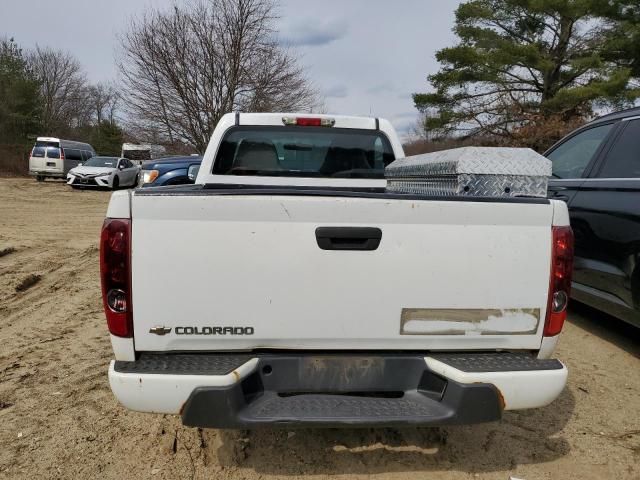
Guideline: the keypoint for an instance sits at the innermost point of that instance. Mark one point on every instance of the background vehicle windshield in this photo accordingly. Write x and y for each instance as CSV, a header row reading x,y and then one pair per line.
x,y
303,152
101,162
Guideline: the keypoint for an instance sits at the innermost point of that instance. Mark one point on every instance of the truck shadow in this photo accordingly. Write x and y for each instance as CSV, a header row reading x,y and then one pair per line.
x,y
523,437
611,329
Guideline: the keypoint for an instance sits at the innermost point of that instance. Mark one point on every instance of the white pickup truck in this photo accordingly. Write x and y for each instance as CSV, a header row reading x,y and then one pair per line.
x,y
288,287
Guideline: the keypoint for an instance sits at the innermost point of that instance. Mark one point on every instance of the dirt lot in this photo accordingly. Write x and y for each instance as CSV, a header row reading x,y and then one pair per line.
x,y
58,418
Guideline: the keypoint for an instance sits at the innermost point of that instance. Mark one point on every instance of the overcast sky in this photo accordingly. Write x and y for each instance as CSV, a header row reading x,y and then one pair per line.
x,y
366,56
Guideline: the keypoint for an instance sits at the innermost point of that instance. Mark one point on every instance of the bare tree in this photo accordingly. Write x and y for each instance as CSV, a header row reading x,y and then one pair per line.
x,y
104,98
63,89
185,68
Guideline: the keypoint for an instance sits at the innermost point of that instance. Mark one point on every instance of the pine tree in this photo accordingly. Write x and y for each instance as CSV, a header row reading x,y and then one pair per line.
x,y
534,66
20,105
106,138
623,41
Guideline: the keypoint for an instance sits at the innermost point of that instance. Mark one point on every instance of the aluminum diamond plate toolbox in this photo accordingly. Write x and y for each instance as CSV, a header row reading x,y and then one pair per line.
x,y
475,171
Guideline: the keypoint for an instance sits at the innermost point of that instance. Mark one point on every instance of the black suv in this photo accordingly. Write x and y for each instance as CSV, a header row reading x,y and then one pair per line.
x,y
596,170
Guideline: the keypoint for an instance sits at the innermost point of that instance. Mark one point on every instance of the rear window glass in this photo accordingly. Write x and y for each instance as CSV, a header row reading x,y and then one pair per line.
x,y
41,143
303,152
38,152
53,152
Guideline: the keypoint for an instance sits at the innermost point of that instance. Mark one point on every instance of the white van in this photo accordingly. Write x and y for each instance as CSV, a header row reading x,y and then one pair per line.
x,y
54,157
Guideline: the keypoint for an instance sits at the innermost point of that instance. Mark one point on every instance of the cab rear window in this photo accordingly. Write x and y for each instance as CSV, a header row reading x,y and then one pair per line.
x,y
298,151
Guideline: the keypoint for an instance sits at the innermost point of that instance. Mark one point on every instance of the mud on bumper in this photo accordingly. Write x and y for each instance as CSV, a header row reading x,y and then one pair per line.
x,y
249,391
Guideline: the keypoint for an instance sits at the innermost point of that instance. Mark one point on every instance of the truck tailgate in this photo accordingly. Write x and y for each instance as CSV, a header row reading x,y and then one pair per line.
x,y
240,272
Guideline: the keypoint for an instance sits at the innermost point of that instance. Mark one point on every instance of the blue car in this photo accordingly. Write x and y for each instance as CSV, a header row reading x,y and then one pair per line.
x,y
170,171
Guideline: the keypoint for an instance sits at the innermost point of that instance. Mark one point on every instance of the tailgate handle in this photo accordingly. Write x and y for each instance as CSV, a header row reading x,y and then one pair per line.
x,y
348,238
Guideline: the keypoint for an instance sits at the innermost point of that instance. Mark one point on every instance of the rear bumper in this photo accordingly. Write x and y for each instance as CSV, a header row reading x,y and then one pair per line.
x,y
248,391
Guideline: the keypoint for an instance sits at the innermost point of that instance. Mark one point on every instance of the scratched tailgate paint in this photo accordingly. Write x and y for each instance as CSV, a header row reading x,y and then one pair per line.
x,y
469,321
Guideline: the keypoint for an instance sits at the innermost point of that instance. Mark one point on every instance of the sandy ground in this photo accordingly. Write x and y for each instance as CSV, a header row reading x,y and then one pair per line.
x,y
58,418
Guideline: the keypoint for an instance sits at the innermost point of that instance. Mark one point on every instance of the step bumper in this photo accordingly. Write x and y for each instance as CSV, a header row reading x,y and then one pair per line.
x,y
249,391
521,386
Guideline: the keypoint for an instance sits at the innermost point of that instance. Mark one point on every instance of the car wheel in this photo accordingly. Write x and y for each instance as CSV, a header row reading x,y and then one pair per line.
x,y
116,183
40,178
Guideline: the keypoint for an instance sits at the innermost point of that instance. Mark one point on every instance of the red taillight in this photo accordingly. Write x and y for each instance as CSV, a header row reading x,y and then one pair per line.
x,y
61,153
560,283
115,275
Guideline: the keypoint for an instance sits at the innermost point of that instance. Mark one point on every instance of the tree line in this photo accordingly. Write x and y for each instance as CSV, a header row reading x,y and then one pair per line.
x,y
525,72
179,71
45,92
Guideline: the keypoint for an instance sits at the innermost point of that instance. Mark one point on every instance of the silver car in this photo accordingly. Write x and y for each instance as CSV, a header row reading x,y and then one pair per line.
x,y
108,172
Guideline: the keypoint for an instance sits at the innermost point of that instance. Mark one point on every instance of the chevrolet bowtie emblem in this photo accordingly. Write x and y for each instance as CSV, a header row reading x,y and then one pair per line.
x,y
160,330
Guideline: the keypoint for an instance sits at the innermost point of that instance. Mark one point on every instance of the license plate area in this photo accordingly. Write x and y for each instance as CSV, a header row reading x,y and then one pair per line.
x,y
341,372
337,374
